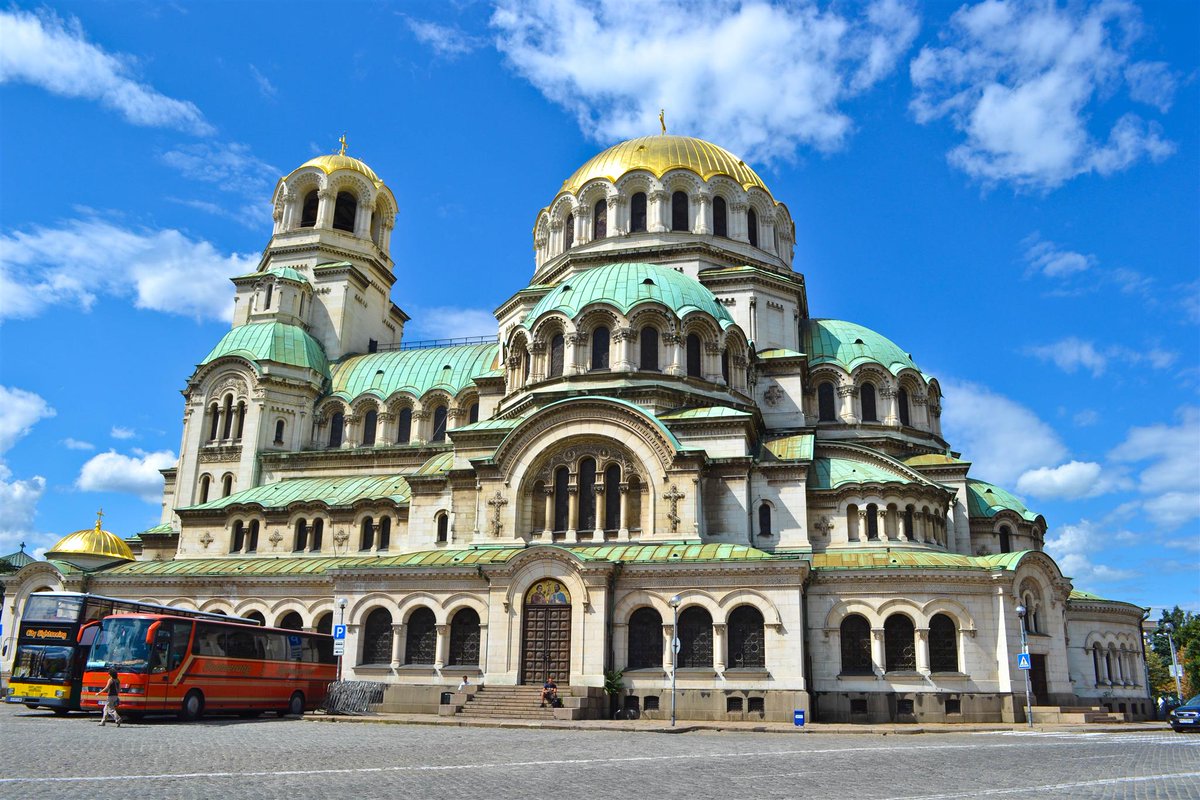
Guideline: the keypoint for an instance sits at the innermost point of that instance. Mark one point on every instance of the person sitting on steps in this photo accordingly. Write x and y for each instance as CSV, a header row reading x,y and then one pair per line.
x,y
549,692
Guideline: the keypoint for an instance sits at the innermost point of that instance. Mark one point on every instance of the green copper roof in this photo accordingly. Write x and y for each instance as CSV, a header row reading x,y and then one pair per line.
x,y
272,341
414,371
489,425
708,412
798,447
627,285
18,559
832,341
655,421
933,460
287,273
318,565
984,501
157,530
778,352
1078,595
880,558
437,465
330,491
830,473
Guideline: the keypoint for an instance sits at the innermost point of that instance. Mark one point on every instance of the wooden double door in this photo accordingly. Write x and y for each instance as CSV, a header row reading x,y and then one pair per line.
x,y
546,644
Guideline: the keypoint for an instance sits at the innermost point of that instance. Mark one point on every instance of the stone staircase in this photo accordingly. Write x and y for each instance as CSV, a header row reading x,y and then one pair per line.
x,y
516,702
1072,715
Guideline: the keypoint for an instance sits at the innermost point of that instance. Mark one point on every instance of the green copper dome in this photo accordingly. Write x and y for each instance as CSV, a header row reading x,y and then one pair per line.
x,y
414,371
832,341
985,501
832,473
272,341
627,285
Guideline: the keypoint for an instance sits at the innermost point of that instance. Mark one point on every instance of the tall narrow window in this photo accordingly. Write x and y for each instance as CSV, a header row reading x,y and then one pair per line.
x,y
645,639
694,368
943,644
241,420
1005,539
421,641
909,531
695,639
746,639
899,644
270,293
308,215
344,211
600,348
279,432
300,542
252,537
872,521
612,497
637,213
215,425
377,637
587,494
473,413
867,397
227,429
557,349
569,232
825,407
226,486
856,645
562,499
367,536
648,342
404,426
464,639
752,226
725,366
385,533
239,537
600,219
335,429
443,527
764,520
370,422
439,425
205,482
720,217
902,402
314,543
679,211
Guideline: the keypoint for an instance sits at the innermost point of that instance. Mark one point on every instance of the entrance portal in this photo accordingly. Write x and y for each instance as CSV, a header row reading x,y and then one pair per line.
x,y
1037,679
546,634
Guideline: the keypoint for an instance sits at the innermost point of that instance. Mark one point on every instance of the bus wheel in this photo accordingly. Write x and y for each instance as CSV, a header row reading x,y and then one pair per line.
x,y
193,706
61,712
296,705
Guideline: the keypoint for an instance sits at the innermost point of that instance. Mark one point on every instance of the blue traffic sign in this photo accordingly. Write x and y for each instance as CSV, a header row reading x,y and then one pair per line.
x,y
1022,660
798,717
339,631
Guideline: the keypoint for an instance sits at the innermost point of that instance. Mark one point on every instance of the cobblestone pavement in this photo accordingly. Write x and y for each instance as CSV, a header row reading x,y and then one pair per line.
x,y
43,756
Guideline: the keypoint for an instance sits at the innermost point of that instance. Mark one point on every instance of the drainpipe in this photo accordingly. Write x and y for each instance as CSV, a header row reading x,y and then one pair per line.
x,y
749,507
806,662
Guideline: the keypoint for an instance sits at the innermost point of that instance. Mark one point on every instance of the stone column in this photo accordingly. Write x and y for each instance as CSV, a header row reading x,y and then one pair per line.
x,y
572,512
556,238
675,342
737,226
702,223
613,223
711,366
623,531
862,525
397,644
601,509
548,519
846,395
767,240
625,337
891,406
537,363
719,647
386,427
443,646
923,651
877,661
418,426
326,198
571,343
657,212
668,637
583,230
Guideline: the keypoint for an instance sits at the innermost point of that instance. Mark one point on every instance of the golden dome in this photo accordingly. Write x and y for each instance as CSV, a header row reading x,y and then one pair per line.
x,y
91,542
336,161
661,154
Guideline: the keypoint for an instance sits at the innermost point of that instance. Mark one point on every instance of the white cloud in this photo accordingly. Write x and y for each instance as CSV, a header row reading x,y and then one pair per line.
x,y
254,216
447,322
445,40
1021,79
760,79
265,87
1072,353
46,51
1086,418
19,412
1001,438
1075,547
77,444
1070,481
1053,261
136,474
72,264
229,166
118,432
1170,479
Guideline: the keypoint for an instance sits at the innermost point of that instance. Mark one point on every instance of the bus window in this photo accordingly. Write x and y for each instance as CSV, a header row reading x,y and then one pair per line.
x,y
52,608
181,634
122,646
34,661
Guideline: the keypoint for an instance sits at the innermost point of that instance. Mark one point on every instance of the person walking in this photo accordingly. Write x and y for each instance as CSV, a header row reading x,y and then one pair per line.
x,y
112,689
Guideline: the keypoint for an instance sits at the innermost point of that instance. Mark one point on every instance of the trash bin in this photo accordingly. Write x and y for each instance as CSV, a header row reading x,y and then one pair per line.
x,y
446,696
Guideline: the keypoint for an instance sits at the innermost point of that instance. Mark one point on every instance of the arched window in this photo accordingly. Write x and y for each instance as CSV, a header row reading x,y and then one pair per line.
x,y
385,532
909,531
856,645
252,537
404,426
267,299
325,623
902,402
344,211
556,356
943,644
746,640
205,482
637,213
336,423
226,486
825,407
473,412
569,232
314,543
725,366
645,640
257,616
899,644
279,432
612,497
600,348
420,646
867,399
239,537
872,521
443,527
562,499
308,214
587,494
215,416
241,419
366,539
720,217
764,519
694,368
370,421
439,425
1005,539
679,211
300,540
377,637
291,621
752,226
695,639
464,638
227,429
600,219
648,342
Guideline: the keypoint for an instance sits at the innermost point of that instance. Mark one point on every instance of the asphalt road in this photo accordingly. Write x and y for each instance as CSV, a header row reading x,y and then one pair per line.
x,y
43,756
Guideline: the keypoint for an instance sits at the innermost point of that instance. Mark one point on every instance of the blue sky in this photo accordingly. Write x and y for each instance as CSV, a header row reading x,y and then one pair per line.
x,y
1008,190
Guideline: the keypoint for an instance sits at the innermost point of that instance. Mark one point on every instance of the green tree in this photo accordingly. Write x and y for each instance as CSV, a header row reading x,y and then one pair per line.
x,y
1161,682
1186,635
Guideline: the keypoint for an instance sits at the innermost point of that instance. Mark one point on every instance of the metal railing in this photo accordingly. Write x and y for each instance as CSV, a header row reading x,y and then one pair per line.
x,y
427,343
353,697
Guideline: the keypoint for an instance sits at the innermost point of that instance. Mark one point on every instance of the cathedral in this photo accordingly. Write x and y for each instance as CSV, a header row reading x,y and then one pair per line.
x,y
663,470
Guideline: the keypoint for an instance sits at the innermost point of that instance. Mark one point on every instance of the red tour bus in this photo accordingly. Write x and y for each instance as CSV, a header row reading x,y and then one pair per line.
x,y
169,664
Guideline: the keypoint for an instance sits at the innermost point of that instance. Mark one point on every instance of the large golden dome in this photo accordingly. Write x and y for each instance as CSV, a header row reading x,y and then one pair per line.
x,y
336,161
92,543
661,154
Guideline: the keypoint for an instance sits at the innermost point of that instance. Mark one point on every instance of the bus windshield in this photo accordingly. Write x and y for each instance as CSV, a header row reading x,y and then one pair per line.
x,y
40,661
52,608
121,643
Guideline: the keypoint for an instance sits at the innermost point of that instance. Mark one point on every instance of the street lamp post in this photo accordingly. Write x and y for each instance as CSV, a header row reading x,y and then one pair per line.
x,y
1146,667
341,604
674,603
1021,611
1168,627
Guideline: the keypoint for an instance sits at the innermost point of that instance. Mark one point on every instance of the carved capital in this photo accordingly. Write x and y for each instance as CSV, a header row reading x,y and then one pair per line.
x,y
847,391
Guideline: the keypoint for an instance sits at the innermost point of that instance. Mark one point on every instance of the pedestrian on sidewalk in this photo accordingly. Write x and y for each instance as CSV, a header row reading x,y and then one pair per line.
x,y
112,689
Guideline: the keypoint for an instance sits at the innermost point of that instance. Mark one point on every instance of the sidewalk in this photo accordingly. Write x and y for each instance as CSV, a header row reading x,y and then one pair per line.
x,y
691,726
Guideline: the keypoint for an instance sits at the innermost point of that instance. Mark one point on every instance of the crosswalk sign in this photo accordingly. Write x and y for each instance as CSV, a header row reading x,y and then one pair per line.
x,y
1022,660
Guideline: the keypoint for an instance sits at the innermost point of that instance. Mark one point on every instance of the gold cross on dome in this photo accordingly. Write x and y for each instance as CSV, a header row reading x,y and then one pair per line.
x,y
342,141
662,113
99,517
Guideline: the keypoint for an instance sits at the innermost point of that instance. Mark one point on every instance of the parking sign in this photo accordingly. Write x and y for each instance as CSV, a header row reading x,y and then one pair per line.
x,y
339,631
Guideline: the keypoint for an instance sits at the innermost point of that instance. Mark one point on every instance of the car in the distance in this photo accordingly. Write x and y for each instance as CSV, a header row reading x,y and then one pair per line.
x,y
1187,716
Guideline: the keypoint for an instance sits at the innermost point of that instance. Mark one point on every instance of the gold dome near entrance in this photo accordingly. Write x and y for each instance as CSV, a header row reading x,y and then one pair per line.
x,y
91,547
661,154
